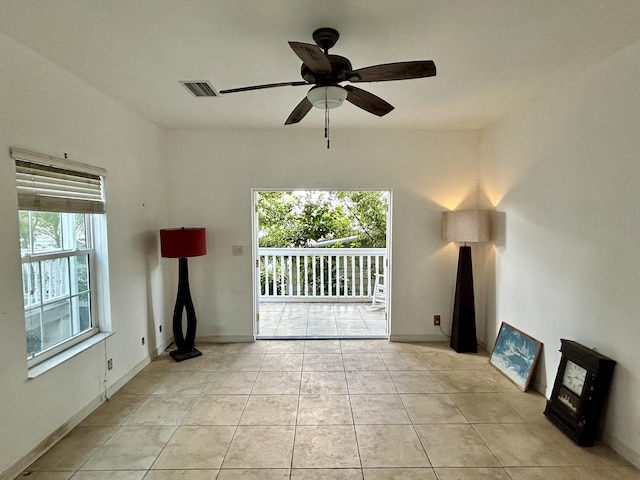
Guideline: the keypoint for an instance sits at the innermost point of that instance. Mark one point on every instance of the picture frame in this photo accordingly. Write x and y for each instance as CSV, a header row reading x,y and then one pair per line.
x,y
515,354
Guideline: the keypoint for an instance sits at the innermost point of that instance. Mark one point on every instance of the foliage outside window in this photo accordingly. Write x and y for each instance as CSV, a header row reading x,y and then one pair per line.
x,y
320,219
304,219
56,253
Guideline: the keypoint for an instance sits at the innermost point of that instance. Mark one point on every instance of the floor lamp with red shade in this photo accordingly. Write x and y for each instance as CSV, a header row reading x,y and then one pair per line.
x,y
182,243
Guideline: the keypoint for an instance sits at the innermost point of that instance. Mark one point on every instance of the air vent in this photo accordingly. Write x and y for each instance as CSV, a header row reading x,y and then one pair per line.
x,y
201,88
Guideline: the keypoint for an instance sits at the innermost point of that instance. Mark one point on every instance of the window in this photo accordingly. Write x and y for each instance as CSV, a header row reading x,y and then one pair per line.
x,y
61,219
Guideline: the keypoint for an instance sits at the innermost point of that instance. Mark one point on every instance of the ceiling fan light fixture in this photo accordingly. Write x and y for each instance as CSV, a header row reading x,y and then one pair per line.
x,y
328,97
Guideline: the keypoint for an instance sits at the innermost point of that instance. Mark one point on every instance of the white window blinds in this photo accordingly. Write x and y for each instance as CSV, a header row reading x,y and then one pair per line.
x,y
57,185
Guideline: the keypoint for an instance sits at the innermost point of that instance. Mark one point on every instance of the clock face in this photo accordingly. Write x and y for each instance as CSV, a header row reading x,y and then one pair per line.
x,y
574,377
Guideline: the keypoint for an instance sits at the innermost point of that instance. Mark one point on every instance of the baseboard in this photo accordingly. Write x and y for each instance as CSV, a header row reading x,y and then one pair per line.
x,y
225,339
618,446
418,338
122,381
539,386
629,454
18,467
162,348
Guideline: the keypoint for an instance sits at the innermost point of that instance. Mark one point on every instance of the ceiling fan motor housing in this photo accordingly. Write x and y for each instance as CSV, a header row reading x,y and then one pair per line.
x,y
340,67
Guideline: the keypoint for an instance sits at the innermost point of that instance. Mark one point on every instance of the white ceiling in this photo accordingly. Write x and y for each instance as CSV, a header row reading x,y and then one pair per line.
x,y
491,55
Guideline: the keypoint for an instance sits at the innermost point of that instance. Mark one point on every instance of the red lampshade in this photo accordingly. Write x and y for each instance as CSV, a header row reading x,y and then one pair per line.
x,y
183,242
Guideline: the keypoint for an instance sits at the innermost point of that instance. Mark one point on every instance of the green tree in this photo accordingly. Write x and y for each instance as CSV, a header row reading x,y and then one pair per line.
x,y
276,221
45,229
368,211
294,219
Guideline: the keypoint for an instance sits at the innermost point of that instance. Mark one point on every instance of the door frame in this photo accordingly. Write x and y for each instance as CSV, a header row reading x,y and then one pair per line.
x,y
255,257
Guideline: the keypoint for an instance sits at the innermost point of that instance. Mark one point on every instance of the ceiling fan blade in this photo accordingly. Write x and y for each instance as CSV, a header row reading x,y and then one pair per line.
x,y
299,112
394,71
312,56
367,101
266,85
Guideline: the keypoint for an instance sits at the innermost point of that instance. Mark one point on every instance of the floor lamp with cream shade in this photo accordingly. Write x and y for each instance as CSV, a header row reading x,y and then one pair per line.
x,y
465,226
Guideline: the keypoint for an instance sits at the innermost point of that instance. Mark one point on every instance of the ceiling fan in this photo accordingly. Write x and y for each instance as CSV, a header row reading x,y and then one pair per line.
x,y
325,72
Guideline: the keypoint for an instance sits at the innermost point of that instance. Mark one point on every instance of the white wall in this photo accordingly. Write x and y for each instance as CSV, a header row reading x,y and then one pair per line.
x,y
45,109
212,174
566,171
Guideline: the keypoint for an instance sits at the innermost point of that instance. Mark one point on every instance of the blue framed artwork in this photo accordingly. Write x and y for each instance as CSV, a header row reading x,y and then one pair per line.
x,y
515,355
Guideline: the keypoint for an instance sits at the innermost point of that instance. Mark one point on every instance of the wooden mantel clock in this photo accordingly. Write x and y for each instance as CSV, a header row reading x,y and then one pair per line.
x,y
579,392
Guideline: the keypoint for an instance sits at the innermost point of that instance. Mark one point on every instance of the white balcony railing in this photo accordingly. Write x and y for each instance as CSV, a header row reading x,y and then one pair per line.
x,y
319,274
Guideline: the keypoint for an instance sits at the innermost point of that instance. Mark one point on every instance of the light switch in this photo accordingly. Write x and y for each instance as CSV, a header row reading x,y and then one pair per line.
x,y
237,251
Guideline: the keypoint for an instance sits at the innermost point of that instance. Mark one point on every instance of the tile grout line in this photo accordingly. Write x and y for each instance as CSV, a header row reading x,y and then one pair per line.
x,y
237,426
295,428
353,419
388,359
413,426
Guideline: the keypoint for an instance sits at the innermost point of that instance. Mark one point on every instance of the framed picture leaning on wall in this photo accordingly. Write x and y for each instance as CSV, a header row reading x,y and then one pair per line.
x,y
515,354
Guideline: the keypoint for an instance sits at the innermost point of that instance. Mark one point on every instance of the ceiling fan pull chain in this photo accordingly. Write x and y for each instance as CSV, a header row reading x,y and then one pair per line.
x,y
326,126
326,119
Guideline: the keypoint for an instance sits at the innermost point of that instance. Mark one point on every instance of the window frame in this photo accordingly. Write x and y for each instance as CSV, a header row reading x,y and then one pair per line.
x,y
48,352
32,199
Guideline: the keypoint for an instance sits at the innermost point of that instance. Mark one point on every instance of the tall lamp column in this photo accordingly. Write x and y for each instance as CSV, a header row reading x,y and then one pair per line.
x,y
465,226
182,243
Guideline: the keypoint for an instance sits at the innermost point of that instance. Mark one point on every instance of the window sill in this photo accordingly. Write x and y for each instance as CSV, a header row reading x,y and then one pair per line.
x,y
67,354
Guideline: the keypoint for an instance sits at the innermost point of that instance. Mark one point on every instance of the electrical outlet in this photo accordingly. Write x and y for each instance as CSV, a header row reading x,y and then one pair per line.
x,y
142,340
436,320
110,364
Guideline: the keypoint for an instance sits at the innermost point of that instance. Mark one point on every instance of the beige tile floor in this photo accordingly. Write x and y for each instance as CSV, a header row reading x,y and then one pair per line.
x,y
324,320
323,409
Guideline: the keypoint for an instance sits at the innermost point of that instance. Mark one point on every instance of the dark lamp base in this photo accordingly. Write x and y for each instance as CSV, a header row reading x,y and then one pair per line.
x,y
185,343
179,357
463,328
